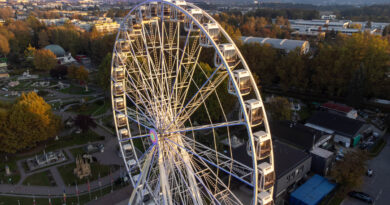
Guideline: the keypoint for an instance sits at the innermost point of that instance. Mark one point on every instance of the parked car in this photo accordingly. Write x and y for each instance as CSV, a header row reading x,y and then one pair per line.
x,y
361,196
370,172
92,148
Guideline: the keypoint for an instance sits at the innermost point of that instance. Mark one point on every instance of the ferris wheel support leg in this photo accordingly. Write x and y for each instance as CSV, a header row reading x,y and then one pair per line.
x,y
164,184
191,178
141,181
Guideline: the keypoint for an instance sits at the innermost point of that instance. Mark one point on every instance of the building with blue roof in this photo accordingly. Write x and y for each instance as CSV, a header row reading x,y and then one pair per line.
x,y
312,191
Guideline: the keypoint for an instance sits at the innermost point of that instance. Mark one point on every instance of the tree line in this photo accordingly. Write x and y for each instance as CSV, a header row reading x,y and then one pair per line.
x,y
379,13
253,25
17,35
354,67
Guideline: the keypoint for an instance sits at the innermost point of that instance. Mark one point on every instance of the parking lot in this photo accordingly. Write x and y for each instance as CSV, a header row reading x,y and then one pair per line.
x,y
377,186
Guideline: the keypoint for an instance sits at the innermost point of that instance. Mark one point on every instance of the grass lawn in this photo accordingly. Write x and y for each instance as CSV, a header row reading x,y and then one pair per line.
x,y
377,147
108,122
15,176
74,139
85,109
304,113
39,179
102,109
77,151
77,90
67,175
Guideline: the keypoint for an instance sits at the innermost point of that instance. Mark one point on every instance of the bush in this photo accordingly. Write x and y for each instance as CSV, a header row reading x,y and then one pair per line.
x,y
43,93
377,147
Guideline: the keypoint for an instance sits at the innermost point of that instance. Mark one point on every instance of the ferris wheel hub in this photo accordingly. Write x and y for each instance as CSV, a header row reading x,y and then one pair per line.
x,y
153,136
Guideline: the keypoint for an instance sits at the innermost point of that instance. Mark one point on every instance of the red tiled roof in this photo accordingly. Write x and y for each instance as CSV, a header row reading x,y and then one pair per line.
x,y
337,107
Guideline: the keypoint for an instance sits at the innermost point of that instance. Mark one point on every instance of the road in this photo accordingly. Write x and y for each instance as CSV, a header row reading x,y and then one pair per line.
x,y
377,186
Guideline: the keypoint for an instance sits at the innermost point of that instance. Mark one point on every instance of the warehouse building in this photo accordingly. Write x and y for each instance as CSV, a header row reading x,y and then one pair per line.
x,y
344,130
286,45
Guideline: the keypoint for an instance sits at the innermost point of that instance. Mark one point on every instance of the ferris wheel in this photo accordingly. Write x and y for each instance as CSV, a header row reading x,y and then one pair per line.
x,y
190,120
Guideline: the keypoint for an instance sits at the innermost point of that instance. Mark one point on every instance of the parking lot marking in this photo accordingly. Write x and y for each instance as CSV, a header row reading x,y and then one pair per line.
x,y
377,197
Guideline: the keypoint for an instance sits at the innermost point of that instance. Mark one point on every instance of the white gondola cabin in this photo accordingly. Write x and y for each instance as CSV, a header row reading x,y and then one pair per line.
x,y
213,30
119,73
265,198
262,144
266,176
124,133
228,52
189,24
135,25
118,88
121,120
127,150
119,103
255,112
176,14
167,11
243,80
152,10
123,45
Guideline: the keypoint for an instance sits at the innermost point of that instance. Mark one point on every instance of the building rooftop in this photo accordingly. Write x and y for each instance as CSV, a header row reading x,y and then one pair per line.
x,y
56,49
337,107
312,191
339,124
322,152
286,157
295,134
285,44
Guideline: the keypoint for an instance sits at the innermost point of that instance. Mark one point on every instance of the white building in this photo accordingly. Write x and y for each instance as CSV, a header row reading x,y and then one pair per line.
x,y
284,44
62,56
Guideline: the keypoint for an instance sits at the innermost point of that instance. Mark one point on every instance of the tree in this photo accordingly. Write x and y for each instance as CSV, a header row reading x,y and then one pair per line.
x,y
279,108
84,122
43,39
386,31
59,72
6,13
350,171
292,70
4,45
29,121
261,60
44,60
79,73
104,72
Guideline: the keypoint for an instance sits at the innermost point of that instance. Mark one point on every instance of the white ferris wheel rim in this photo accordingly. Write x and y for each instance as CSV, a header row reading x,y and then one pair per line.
x,y
225,65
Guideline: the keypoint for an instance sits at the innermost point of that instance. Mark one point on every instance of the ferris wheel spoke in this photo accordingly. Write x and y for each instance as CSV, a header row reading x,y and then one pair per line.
x,y
240,171
141,179
134,137
187,78
210,126
183,179
140,95
200,96
141,159
222,191
147,85
210,194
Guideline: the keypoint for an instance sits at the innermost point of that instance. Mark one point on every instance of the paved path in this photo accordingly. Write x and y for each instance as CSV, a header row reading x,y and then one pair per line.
x,y
377,186
115,197
43,191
